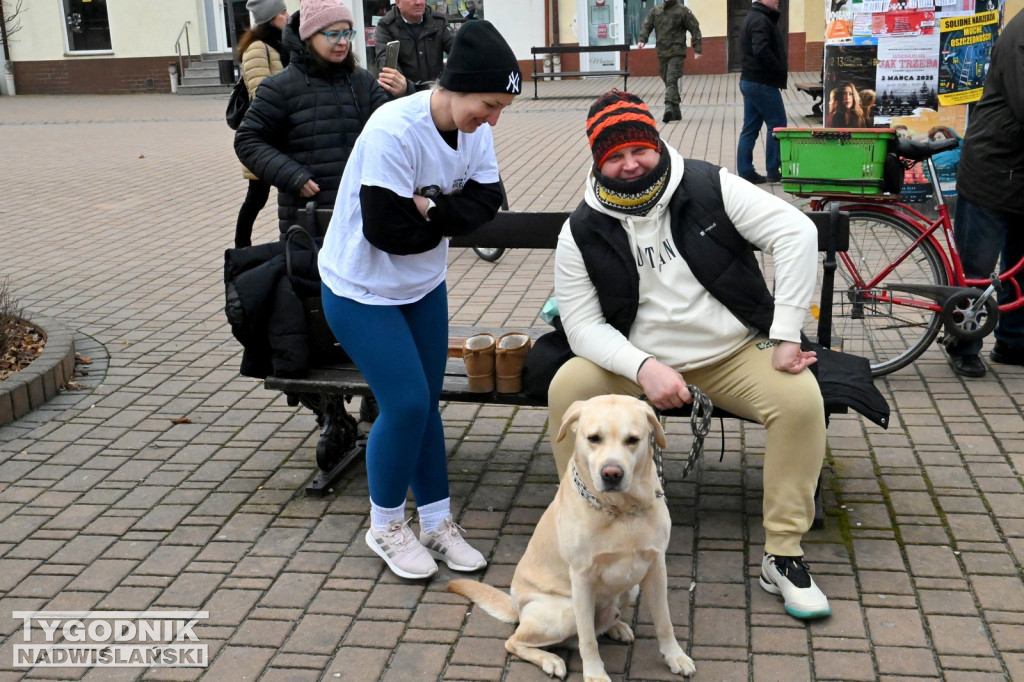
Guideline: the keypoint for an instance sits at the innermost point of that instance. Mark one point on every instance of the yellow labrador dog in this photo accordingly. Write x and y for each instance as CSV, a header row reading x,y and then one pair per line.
x,y
604,534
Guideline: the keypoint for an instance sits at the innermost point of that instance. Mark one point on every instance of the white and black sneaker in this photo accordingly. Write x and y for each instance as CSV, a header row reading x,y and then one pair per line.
x,y
790,577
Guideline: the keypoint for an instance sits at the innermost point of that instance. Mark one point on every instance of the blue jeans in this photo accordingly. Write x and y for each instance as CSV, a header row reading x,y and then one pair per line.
x,y
401,350
982,236
762,104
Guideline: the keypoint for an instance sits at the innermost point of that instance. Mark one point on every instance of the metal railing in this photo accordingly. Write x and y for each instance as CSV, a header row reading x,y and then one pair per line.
x,y
188,51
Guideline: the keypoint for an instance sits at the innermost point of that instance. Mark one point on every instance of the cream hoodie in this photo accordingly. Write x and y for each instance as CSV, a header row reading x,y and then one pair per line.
x,y
678,322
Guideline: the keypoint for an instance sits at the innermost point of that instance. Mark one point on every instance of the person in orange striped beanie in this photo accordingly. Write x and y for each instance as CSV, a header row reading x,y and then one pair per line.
x,y
658,288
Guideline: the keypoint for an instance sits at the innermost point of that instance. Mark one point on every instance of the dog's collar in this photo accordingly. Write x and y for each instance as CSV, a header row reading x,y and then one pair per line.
x,y
591,498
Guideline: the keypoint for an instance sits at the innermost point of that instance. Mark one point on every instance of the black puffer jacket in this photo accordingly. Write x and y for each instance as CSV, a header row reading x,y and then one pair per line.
x,y
763,53
264,307
991,170
303,124
420,58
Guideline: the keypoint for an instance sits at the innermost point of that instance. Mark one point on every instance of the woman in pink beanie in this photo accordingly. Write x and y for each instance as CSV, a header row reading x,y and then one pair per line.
x,y
304,120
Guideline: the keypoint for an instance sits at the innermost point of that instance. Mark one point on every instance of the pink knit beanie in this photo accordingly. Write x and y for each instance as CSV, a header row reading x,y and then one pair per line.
x,y
315,15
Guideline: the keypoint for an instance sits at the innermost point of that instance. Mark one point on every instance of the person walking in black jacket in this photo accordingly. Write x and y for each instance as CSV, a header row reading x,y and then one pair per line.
x,y
764,73
304,120
424,36
990,196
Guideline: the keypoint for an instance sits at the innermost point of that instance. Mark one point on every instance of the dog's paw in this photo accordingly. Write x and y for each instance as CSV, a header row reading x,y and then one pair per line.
x,y
596,678
681,664
621,632
553,665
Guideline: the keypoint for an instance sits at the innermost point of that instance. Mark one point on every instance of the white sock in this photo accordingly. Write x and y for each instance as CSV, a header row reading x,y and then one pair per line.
x,y
380,517
434,514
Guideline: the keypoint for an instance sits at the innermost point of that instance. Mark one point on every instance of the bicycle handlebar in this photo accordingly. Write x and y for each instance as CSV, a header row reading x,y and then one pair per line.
x,y
919,151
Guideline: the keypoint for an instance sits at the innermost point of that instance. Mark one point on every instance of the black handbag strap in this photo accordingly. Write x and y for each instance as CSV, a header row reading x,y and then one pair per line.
x,y
295,231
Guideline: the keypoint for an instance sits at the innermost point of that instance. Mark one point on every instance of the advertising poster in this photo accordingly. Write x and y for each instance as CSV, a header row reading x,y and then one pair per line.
x,y
903,23
953,7
966,49
948,122
907,76
849,85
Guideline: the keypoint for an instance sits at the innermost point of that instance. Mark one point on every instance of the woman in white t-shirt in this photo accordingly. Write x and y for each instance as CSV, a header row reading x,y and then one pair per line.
x,y
423,169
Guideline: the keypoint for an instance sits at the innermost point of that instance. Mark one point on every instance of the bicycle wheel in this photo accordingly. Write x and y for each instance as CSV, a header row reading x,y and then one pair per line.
x,y
890,337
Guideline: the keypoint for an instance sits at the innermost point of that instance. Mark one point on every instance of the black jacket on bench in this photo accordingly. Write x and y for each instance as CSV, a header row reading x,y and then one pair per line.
x,y
264,307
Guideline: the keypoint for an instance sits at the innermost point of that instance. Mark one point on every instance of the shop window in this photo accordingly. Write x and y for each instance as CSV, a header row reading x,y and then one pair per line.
x,y
88,29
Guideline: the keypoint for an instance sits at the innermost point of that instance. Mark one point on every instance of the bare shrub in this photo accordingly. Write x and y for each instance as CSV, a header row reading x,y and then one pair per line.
x,y
10,314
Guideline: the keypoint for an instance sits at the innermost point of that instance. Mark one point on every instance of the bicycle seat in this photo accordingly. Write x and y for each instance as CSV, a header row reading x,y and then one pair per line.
x,y
919,151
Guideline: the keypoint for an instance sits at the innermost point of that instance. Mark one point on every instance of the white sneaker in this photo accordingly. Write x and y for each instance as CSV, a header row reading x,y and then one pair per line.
x,y
398,547
790,577
447,544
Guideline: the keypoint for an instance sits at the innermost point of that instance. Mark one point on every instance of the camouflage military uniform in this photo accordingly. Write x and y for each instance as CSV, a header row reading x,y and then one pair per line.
x,y
670,22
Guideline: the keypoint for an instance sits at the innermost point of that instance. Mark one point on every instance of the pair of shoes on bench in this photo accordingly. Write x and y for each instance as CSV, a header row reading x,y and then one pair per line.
x,y
500,361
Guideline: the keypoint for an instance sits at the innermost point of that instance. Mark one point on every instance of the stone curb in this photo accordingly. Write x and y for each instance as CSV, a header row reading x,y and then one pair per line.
x,y
28,389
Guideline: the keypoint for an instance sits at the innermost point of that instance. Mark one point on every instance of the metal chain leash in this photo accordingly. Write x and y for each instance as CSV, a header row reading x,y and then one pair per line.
x,y
700,425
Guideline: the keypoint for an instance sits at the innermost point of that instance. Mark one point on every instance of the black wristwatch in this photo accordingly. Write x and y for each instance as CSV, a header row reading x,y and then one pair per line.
x,y
430,192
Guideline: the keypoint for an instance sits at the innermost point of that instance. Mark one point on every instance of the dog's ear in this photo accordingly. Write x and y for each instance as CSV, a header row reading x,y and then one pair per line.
x,y
659,433
571,416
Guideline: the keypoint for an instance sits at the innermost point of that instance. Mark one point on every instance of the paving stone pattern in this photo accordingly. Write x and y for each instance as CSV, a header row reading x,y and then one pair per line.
x,y
116,212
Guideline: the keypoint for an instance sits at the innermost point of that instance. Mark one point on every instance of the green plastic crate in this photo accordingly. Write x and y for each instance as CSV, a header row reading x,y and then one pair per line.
x,y
833,160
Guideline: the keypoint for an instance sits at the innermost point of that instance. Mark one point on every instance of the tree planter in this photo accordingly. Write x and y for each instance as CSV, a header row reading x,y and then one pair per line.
x,y
29,388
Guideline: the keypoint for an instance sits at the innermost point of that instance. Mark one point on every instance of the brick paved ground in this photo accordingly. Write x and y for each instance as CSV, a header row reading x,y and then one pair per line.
x,y
114,215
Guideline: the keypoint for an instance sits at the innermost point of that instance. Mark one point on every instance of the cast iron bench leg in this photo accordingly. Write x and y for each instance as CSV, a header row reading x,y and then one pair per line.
x,y
340,442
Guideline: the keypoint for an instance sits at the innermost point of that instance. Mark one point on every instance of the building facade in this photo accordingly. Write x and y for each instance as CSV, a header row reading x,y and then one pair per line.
x,y
126,46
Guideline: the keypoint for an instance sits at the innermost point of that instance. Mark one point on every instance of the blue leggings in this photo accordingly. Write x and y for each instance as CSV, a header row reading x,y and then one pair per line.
x,y
401,350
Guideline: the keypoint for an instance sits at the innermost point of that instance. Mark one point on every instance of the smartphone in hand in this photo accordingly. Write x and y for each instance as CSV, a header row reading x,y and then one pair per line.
x,y
391,56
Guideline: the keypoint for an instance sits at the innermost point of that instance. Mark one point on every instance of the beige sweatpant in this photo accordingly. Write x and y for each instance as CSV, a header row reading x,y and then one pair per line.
x,y
746,384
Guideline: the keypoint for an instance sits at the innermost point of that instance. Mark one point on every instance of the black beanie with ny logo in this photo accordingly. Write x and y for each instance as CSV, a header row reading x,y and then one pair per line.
x,y
481,61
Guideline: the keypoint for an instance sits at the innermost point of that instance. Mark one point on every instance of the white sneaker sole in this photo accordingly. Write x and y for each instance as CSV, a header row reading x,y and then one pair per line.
x,y
371,543
802,613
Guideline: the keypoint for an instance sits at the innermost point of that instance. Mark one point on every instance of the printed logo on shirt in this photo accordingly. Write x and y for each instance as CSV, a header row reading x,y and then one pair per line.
x,y
647,257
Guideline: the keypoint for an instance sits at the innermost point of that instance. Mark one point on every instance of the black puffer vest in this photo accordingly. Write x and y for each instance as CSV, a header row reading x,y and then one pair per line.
x,y
719,257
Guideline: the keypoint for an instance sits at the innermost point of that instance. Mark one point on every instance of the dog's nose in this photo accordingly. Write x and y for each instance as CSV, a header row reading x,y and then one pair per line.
x,y
612,476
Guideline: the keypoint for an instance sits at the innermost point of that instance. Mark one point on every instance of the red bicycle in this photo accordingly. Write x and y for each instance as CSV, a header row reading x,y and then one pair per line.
x,y
901,282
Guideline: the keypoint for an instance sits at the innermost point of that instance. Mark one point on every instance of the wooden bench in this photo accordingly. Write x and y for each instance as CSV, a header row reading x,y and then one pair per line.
x,y
815,90
538,73
326,390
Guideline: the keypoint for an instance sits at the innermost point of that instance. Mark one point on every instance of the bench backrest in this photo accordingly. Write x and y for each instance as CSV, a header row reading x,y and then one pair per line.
x,y
539,230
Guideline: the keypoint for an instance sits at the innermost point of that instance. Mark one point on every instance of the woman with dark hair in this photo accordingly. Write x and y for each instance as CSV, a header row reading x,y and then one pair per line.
x,y
260,55
844,108
304,121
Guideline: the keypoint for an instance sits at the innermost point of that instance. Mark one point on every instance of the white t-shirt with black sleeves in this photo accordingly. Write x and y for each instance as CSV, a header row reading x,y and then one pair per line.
x,y
400,150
